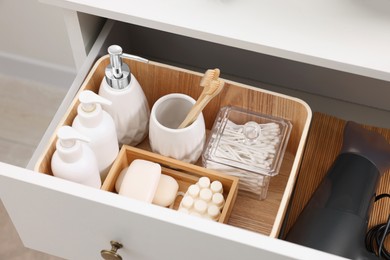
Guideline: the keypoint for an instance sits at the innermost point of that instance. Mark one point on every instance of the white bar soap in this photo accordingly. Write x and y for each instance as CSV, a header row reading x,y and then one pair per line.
x,y
141,180
166,191
119,180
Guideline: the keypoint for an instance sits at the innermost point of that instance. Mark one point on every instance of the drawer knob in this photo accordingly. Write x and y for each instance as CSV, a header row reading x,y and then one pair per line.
x,y
112,254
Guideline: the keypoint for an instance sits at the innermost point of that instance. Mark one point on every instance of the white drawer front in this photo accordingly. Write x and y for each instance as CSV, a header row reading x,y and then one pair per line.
x,y
76,222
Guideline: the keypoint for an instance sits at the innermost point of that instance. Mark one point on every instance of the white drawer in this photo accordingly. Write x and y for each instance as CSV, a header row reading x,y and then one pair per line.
x,y
76,222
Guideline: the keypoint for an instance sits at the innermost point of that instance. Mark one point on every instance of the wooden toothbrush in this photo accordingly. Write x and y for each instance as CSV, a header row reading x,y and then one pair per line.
x,y
212,87
210,75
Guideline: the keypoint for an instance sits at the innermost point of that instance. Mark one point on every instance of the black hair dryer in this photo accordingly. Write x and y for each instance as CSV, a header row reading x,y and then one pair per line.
x,y
336,217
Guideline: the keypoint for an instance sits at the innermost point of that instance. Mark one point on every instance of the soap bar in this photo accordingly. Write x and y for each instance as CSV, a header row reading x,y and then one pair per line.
x,y
119,180
166,191
141,180
203,199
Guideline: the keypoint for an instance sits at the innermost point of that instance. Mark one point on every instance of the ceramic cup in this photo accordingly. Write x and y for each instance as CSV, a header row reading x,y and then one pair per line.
x,y
184,144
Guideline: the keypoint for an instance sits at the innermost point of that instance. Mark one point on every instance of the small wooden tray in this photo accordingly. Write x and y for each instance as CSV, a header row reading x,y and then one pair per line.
x,y
184,173
265,217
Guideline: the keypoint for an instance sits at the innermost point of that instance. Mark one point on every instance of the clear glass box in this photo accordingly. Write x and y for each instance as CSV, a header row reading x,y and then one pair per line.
x,y
247,145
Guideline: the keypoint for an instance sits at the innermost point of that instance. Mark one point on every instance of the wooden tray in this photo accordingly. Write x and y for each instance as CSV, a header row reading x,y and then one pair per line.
x,y
323,146
184,173
157,79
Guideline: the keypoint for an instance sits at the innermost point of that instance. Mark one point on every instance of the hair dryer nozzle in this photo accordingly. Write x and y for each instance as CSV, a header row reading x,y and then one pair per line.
x,y
369,144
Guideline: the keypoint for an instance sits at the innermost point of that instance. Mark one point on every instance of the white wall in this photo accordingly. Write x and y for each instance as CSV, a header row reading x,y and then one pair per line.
x,y
34,40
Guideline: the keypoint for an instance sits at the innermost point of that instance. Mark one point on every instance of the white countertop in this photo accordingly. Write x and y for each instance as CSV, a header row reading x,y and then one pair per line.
x,y
347,35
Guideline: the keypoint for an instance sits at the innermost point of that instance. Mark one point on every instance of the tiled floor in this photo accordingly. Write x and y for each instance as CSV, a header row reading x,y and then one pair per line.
x,y
26,109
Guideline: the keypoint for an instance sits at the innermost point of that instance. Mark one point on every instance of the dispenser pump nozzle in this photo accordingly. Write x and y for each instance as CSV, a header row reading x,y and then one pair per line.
x,y
68,136
115,52
89,99
118,74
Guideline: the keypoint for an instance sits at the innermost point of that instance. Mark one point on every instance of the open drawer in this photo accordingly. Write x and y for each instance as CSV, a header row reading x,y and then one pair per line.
x,y
76,222
158,80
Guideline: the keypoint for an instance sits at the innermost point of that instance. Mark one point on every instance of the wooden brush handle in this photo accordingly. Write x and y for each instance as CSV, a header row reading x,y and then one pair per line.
x,y
195,111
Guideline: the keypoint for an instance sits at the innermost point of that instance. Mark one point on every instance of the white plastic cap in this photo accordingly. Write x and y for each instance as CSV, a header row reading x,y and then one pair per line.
x,y
213,212
89,99
206,194
216,187
200,206
193,190
218,200
68,136
187,202
204,182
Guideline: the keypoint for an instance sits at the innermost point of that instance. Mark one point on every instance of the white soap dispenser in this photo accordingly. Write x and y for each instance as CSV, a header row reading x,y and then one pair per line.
x,y
96,124
74,160
130,108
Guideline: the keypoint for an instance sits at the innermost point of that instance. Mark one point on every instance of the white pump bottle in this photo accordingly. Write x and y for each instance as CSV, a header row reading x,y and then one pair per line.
x,y
97,125
130,109
74,160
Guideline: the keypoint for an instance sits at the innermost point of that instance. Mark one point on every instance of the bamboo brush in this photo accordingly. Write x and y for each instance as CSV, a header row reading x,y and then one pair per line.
x,y
210,75
210,90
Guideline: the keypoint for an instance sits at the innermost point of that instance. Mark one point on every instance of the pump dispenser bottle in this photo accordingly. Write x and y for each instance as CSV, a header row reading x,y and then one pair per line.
x,y
74,160
97,125
130,108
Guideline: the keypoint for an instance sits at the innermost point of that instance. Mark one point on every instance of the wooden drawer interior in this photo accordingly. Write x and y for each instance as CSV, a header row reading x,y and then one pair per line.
x,y
158,79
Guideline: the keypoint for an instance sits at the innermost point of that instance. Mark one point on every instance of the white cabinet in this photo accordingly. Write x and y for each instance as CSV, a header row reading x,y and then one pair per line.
x,y
348,36
329,51
77,222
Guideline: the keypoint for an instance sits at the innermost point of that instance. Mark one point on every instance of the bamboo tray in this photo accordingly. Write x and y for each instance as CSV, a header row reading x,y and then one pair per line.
x,y
158,79
184,173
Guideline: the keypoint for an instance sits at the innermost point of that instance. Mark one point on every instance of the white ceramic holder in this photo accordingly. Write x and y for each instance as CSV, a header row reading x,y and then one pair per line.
x,y
184,144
